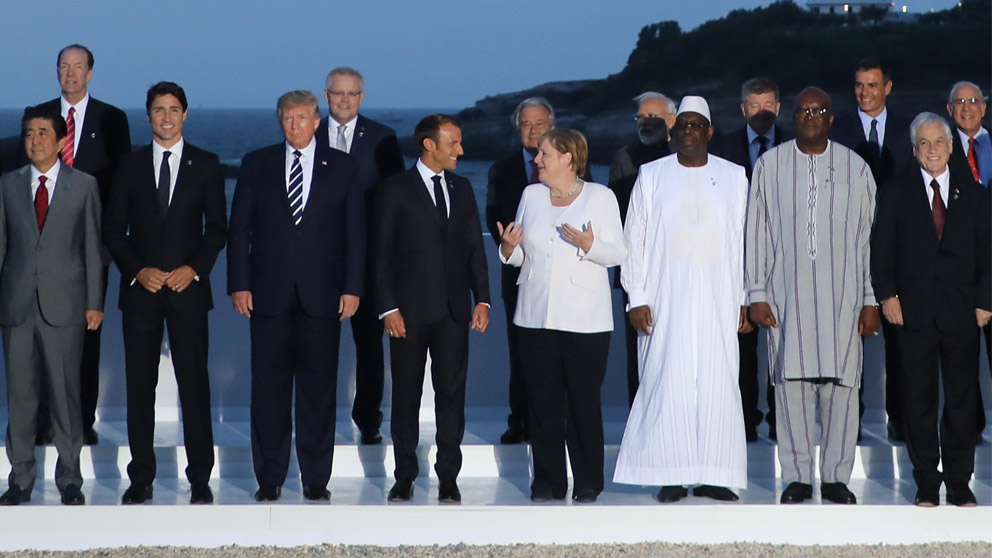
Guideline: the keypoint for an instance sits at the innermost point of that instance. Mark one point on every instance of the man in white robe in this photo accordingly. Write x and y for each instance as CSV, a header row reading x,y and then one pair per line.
x,y
684,273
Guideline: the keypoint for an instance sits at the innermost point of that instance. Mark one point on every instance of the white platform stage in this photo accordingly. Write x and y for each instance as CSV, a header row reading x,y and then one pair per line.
x,y
495,507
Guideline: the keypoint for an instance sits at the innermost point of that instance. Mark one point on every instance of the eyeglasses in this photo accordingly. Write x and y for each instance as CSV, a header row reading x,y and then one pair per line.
x,y
812,112
691,126
650,116
342,94
966,101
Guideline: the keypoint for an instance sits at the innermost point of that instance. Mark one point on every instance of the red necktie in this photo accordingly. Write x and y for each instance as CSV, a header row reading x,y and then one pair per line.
x,y
41,203
533,172
939,211
69,151
973,160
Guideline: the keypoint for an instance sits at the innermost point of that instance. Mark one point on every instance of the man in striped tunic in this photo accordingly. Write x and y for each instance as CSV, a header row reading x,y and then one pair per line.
x,y
812,204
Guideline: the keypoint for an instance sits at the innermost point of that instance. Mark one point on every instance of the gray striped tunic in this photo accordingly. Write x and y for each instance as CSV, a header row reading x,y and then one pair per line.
x,y
808,225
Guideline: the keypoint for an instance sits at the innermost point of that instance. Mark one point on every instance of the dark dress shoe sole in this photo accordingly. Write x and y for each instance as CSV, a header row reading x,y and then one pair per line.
x,y
400,493
201,495
137,495
14,497
268,493
668,494
962,498
317,494
718,493
72,496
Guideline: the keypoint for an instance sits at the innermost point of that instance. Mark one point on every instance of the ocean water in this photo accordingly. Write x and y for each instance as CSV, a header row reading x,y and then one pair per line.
x,y
231,133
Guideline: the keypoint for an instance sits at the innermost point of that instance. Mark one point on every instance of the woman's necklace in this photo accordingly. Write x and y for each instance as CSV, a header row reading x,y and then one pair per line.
x,y
570,192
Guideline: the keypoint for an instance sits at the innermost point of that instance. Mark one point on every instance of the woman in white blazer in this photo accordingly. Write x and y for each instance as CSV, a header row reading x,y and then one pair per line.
x,y
566,234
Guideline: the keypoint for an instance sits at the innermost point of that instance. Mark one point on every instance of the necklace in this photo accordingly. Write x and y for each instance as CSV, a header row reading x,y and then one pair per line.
x,y
569,194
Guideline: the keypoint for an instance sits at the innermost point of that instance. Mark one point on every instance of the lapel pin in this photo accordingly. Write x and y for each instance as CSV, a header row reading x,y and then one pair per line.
x,y
323,163
189,162
92,135
361,132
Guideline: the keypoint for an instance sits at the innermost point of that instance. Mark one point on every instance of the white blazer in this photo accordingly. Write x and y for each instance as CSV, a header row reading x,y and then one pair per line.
x,y
562,287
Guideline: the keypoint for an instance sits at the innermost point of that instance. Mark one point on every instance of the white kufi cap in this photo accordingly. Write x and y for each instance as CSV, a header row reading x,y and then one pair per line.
x,y
695,103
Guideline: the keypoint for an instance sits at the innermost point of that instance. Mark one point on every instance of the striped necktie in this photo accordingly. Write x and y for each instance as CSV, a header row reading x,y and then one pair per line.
x,y
296,188
69,151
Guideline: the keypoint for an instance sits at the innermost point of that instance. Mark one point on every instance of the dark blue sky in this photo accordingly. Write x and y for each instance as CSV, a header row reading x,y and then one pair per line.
x,y
245,53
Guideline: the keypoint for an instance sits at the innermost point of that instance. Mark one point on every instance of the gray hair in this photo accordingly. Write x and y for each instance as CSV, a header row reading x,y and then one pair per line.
x,y
669,104
343,71
925,119
959,85
757,86
532,102
296,98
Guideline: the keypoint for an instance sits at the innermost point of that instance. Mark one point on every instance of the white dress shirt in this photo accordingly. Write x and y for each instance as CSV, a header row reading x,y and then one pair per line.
x,y
427,174
349,132
78,116
943,179
175,157
51,177
306,161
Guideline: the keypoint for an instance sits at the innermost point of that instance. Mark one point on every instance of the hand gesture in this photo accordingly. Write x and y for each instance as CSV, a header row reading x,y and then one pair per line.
x,y
575,237
509,238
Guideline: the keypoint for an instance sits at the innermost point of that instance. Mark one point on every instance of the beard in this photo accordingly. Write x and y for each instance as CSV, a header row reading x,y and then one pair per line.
x,y
762,122
653,134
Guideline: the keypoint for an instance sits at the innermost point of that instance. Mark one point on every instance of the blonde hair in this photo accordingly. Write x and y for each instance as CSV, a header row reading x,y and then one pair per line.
x,y
569,141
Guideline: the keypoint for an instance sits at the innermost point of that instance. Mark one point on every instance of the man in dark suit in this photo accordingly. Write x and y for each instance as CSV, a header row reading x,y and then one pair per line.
x,y
507,179
760,106
296,268
655,118
97,139
931,268
50,293
881,138
377,151
429,263
165,223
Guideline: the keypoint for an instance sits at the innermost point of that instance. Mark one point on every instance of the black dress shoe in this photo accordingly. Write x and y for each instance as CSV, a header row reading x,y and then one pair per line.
x,y
541,495
514,434
316,493
200,493
584,495
44,437
370,436
715,492
402,491
448,493
797,492
268,493
895,432
72,496
137,494
837,493
772,433
14,496
672,494
961,495
927,497
751,434
90,437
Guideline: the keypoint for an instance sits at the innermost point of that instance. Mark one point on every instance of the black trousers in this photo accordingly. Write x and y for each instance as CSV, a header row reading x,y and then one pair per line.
x,y
893,374
747,379
89,378
564,372
447,343
366,330
929,357
188,339
518,397
293,351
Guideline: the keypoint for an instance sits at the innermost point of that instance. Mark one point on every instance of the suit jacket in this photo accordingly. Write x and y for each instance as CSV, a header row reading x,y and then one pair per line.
x,y
105,138
940,282
426,269
318,260
959,155
897,150
507,180
59,268
376,149
734,147
192,232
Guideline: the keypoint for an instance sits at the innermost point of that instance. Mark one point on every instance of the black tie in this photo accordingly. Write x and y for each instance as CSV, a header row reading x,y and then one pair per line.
x,y
442,208
164,180
762,147
873,137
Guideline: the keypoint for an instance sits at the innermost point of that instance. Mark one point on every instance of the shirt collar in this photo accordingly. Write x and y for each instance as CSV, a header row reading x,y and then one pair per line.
x,y
306,151
177,149
349,125
965,137
752,135
80,106
942,179
52,175
527,158
426,173
866,118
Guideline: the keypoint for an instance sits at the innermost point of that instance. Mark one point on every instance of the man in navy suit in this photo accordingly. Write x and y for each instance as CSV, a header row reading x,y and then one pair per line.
x,y
760,106
930,265
296,268
429,263
377,151
165,223
881,138
98,138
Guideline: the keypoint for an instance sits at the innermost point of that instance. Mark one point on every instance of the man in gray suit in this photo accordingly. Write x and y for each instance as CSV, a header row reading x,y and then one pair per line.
x,y
51,291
